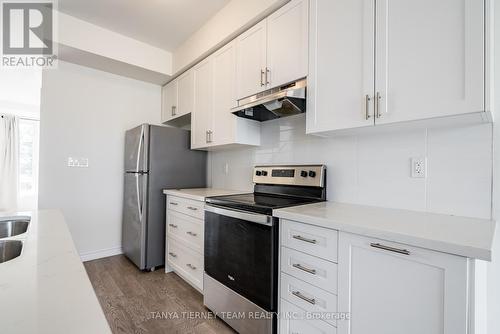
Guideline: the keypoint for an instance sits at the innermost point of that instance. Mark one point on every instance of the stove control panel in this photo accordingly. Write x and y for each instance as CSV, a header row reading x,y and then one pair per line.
x,y
297,175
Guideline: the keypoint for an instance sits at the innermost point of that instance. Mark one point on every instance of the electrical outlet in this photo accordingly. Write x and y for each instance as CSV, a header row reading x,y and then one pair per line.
x,y
419,167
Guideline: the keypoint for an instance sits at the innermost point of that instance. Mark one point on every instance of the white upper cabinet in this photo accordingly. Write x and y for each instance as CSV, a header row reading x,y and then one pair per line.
x,y
251,64
178,98
185,93
201,119
341,65
401,61
390,288
274,51
287,43
213,124
430,58
168,101
224,83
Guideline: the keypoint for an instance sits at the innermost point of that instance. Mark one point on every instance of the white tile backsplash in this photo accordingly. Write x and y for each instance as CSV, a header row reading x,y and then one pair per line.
x,y
374,168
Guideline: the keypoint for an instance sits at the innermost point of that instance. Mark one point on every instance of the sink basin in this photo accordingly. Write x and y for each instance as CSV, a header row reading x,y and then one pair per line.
x,y
10,249
12,227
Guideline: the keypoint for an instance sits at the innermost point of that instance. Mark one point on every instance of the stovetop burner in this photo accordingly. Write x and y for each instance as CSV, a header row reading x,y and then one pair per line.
x,y
278,187
258,202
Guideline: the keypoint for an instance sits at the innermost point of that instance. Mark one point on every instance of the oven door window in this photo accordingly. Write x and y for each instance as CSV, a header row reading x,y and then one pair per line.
x,y
242,255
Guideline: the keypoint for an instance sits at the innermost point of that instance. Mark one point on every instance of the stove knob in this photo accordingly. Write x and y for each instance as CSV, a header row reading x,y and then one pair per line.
x,y
264,173
303,173
312,173
258,173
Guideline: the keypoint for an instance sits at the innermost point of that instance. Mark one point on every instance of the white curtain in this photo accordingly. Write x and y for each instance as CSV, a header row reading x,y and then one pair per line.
x,y
9,162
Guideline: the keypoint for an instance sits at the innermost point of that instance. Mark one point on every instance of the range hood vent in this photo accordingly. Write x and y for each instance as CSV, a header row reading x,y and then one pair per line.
x,y
274,103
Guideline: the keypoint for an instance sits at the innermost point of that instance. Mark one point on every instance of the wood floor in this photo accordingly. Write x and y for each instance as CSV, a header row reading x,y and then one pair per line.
x,y
153,302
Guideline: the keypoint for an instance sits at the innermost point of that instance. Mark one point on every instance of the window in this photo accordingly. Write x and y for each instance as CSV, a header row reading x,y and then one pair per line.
x,y
28,163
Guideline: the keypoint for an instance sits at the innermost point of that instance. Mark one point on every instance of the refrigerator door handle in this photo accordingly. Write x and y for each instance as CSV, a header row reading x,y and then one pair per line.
x,y
139,201
139,149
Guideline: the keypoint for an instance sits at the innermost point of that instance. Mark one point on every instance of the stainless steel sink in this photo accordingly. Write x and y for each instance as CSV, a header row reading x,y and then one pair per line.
x,y
13,227
10,249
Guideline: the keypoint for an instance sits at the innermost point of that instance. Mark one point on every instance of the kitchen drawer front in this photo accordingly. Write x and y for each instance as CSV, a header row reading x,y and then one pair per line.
x,y
186,229
186,262
313,240
309,298
294,321
311,269
186,206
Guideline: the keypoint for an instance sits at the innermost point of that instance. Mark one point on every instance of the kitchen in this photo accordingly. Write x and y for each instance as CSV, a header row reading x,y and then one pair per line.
x,y
303,166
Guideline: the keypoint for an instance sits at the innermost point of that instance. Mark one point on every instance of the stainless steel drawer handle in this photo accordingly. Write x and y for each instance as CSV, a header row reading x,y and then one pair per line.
x,y
367,107
301,267
192,233
301,296
173,203
191,266
172,254
378,97
301,238
390,249
172,225
192,208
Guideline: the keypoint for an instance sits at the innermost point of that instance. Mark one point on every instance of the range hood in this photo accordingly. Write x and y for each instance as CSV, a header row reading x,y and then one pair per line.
x,y
274,103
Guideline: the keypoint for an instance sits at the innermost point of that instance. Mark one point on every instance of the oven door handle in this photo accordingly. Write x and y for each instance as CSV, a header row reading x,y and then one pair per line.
x,y
238,214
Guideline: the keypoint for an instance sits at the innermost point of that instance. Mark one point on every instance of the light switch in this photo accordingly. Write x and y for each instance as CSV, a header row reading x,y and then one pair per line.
x,y
78,162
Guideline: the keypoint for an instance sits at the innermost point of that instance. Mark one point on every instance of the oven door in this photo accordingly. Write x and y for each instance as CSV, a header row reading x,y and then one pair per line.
x,y
241,252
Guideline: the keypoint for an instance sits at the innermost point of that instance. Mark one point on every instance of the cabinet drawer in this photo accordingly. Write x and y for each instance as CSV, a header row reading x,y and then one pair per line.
x,y
313,240
185,262
186,229
186,206
295,321
308,297
310,269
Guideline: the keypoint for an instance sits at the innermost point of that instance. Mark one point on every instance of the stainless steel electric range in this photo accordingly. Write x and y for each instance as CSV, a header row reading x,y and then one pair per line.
x,y
242,244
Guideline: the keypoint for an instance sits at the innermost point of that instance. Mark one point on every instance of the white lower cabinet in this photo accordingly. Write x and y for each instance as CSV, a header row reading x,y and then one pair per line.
x,y
294,320
390,288
185,232
337,282
186,262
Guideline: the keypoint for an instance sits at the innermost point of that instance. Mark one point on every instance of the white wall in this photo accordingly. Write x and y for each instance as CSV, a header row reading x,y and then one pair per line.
x,y
223,26
93,39
374,169
84,113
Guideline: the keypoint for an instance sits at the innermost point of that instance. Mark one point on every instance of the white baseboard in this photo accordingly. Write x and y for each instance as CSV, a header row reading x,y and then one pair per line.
x,y
94,255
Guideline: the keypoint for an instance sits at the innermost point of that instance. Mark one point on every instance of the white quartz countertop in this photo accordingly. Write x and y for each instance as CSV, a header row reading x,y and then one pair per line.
x,y
199,194
469,237
46,289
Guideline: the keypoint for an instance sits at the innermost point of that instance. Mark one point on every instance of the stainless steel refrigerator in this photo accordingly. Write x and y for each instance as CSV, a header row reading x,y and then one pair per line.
x,y
156,158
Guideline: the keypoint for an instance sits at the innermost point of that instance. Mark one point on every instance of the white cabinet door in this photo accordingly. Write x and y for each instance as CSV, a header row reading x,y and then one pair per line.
x,y
341,65
389,292
185,95
287,43
168,101
430,58
201,118
224,84
251,60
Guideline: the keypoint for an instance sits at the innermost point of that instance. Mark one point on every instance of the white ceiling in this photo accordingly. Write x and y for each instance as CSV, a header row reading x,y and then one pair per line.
x,y
161,23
